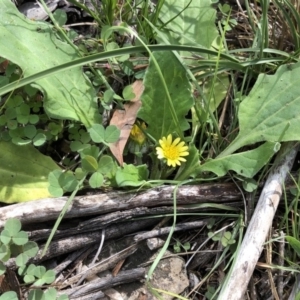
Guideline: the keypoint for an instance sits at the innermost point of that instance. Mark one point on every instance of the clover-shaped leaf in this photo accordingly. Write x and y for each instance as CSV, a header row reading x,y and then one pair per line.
x,y
97,132
63,297
68,181
13,226
12,233
45,277
4,253
131,175
106,164
90,150
23,270
227,239
101,135
9,296
89,163
22,259
39,271
214,237
30,249
112,134
21,238
36,294
51,294
54,187
39,139
28,278
96,180
5,237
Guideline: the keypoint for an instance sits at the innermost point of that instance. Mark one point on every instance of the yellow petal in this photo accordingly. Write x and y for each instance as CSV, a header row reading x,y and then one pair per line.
x,y
176,141
169,139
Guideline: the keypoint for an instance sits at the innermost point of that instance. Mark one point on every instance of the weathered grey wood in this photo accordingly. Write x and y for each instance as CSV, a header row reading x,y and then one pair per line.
x,y
72,243
73,257
237,281
166,230
102,265
92,296
106,282
49,209
99,222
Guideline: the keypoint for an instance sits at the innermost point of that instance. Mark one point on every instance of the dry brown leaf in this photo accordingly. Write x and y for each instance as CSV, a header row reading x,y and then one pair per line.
x,y
124,120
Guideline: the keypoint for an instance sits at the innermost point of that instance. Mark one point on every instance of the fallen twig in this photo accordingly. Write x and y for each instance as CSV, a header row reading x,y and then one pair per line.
x,y
260,224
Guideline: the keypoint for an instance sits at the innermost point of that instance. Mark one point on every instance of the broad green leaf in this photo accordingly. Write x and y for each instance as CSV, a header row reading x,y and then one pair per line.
x,y
271,111
155,110
295,244
131,175
192,25
24,173
34,47
215,92
246,163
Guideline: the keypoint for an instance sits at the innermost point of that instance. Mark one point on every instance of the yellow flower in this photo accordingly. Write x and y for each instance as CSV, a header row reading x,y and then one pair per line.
x,y
136,134
172,151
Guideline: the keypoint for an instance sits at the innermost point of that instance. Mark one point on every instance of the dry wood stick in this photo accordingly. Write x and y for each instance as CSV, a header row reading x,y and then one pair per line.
x,y
73,243
102,265
236,283
99,204
106,282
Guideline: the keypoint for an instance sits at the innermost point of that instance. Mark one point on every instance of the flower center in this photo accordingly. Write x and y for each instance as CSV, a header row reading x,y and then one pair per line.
x,y
171,153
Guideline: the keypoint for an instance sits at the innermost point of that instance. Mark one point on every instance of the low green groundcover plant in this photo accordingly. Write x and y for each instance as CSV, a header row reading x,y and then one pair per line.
x,y
14,244
71,116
